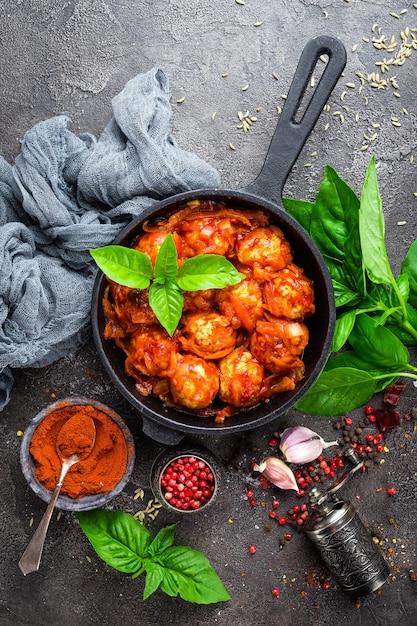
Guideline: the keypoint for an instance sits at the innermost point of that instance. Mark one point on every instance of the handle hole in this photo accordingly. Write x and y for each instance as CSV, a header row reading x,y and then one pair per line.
x,y
314,79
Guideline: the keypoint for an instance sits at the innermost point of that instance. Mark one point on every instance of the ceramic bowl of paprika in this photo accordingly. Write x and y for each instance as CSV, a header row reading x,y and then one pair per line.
x,y
186,480
92,482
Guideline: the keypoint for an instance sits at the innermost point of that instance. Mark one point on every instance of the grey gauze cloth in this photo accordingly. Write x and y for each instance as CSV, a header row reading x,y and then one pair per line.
x,y
66,194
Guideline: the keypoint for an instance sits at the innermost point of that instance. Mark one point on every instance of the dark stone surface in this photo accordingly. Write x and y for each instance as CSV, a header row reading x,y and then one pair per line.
x,y
74,57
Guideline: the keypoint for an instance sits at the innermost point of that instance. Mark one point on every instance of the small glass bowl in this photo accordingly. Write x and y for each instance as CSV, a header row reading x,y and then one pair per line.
x,y
202,460
66,503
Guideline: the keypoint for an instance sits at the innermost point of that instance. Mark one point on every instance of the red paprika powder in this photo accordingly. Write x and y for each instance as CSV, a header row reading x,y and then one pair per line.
x,y
99,472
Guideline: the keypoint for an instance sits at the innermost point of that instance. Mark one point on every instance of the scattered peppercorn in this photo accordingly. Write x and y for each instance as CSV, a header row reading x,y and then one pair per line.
x,y
252,549
391,491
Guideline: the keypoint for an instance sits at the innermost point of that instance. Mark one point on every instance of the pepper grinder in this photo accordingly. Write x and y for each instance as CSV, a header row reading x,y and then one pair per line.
x,y
343,541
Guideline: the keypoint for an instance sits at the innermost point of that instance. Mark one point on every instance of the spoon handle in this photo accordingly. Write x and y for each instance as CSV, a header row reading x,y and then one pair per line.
x,y
31,557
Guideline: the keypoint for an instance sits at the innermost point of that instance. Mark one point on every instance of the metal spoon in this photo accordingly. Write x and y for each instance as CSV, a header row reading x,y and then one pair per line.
x,y
31,557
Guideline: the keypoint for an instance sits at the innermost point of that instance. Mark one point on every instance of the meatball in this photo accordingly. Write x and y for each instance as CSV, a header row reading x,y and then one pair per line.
x,y
208,235
125,309
151,242
277,345
242,303
265,247
290,294
195,382
201,300
241,378
209,335
152,352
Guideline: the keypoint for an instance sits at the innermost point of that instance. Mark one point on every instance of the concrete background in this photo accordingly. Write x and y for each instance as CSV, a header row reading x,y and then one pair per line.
x,y
75,56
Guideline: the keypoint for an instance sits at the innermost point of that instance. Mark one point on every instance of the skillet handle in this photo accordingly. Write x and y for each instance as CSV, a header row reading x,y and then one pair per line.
x,y
291,134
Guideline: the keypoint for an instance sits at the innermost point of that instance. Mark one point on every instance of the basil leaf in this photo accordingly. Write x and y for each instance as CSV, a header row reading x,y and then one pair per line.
x,y
120,540
207,271
300,210
343,328
409,267
166,301
328,227
338,391
343,293
383,377
189,574
163,540
376,344
372,230
403,283
166,263
154,577
406,338
125,266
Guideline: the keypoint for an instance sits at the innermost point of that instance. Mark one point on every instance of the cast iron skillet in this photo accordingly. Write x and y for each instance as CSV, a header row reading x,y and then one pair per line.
x,y
168,425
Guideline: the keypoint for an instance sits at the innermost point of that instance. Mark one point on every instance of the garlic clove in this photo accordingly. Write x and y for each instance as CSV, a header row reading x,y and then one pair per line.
x,y
278,473
302,445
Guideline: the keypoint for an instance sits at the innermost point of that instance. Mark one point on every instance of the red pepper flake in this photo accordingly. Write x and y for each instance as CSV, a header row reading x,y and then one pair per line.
x,y
273,443
392,393
386,419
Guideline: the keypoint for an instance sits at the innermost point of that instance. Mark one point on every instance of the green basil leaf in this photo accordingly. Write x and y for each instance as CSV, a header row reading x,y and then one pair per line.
x,y
300,210
189,574
163,540
409,267
207,271
343,328
372,230
406,338
124,266
166,301
328,226
120,540
166,264
154,577
343,293
338,391
376,344
403,282
349,358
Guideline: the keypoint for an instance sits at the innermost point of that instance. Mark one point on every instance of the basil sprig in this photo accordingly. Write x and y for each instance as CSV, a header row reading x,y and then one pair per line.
x,y
126,545
133,268
377,312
